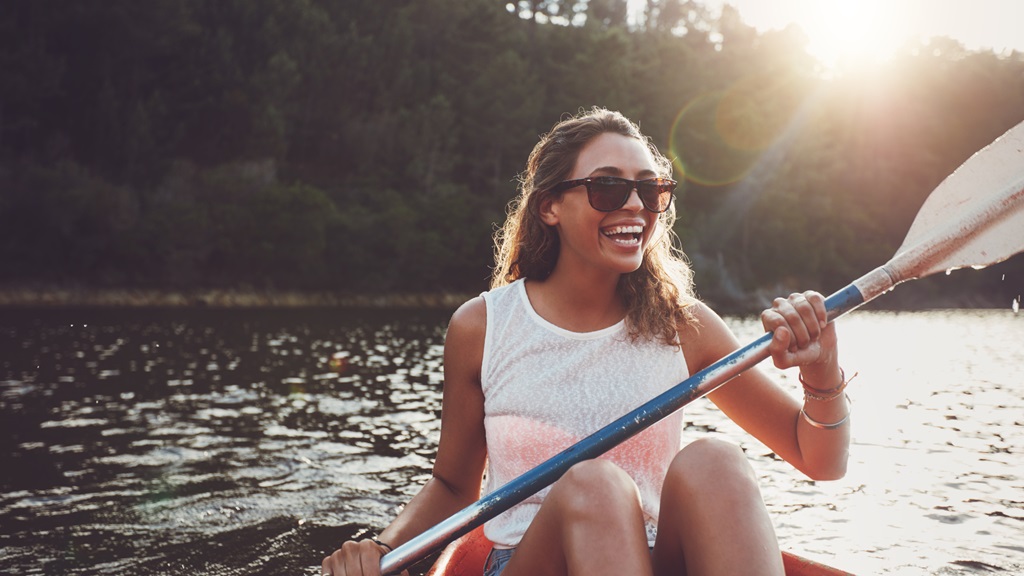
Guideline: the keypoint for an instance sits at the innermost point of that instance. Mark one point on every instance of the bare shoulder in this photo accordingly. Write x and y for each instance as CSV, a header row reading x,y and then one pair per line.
x,y
706,339
469,320
464,342
705,320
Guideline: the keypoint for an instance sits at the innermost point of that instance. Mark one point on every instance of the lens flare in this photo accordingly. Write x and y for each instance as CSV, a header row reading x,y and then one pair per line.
x,y
718,137
698,151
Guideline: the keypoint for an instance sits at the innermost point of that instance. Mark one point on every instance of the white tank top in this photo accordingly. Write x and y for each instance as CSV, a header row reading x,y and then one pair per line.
x,y
545,388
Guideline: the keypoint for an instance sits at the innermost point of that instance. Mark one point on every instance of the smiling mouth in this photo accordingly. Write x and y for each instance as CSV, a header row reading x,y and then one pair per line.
x,y
624,235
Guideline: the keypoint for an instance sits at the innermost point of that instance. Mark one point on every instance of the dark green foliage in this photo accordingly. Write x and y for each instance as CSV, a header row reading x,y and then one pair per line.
x,y
371,146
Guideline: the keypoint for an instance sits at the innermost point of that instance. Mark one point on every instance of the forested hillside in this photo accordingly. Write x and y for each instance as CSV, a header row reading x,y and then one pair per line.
x,y
367,146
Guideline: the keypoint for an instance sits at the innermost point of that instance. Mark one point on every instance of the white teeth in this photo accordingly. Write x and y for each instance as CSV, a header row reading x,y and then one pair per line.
x,y
625,230
624,235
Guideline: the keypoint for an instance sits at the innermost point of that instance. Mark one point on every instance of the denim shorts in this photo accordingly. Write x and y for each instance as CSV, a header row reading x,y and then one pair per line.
x,y
497,560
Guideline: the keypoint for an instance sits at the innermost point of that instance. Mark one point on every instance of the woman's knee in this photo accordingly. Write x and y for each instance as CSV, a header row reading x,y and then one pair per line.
x,y
712,490
710,464
597,485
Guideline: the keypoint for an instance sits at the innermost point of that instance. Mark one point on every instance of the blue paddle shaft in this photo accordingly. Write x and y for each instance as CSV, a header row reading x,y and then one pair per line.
x,y
546,473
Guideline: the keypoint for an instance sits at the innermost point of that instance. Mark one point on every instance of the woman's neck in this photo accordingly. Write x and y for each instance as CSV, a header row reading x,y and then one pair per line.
x,y
577,300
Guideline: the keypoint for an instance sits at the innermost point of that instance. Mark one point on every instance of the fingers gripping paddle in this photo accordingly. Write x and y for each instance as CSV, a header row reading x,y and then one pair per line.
x,y
974,218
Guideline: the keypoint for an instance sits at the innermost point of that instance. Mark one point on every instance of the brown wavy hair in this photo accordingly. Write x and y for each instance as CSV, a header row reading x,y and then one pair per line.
x,y
659,293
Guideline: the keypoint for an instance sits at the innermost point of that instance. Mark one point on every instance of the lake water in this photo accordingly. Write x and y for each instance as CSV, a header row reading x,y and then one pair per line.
x,y
224,442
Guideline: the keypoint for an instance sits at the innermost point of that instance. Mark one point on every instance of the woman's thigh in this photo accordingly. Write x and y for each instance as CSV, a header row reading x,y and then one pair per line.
x,y
498,559
713,519
590,522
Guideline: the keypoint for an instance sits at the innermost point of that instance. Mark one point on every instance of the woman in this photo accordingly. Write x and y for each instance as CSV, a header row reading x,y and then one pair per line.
x,y
590,314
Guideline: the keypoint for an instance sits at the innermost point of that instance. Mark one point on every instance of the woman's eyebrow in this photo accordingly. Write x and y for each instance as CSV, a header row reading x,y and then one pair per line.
x,y
616,171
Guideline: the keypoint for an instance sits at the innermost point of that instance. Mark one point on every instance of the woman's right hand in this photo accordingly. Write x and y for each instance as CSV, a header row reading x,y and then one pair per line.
x,y
355,559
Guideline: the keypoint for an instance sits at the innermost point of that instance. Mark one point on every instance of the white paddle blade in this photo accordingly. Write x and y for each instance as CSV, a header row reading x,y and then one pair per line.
x,y
974,218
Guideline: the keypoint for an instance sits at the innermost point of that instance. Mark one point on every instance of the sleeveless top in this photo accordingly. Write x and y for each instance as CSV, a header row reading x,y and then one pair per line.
x,y
545,388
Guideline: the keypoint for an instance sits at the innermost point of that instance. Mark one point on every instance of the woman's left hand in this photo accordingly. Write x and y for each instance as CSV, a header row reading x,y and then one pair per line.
x,y
802,335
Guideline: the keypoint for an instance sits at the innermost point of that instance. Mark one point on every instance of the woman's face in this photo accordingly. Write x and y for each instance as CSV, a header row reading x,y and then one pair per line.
x,y
613,241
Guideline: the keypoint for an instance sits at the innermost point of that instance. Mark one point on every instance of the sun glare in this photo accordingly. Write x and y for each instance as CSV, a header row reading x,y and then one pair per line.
x,y
845,32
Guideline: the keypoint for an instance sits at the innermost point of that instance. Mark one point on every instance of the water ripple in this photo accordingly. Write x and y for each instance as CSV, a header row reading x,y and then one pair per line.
x,y
253,442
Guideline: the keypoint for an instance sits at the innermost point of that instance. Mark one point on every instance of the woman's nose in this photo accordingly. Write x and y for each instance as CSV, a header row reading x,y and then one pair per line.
x,y
633,202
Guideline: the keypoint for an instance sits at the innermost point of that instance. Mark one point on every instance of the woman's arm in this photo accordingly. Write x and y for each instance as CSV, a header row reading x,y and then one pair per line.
x,y
461,454
801,338
462,450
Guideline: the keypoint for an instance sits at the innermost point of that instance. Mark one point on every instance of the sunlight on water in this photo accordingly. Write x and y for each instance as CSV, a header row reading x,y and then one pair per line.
x,y
254,442
934,484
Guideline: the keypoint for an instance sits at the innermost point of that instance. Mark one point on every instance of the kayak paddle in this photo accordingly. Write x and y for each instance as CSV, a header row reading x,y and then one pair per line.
x,y
975,217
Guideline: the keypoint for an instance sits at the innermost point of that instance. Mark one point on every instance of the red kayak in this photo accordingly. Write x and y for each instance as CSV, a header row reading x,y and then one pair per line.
x,y
466,556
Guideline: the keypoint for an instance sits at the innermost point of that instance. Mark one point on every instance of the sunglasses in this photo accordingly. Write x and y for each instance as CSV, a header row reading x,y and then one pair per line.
x,y
608,193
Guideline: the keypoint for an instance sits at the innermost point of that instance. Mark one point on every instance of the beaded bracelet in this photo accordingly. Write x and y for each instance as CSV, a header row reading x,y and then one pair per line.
x,y
826,425
826,395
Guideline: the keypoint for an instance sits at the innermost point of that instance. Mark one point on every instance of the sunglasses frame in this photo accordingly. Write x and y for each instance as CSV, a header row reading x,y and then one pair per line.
x,y
633,185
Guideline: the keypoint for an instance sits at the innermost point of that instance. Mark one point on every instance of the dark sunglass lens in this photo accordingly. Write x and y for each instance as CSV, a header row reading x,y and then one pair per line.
x,y
608,194
656,194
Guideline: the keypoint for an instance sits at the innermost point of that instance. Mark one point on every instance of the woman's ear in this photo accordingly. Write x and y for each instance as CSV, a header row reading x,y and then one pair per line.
x,y
549,208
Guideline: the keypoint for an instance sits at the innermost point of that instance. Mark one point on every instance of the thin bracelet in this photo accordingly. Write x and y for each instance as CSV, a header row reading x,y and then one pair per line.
x,y
382,545
825,425
826,395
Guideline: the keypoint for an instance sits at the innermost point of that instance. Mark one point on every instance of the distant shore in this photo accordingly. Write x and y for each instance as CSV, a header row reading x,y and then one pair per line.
x,y
67,297
218,298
